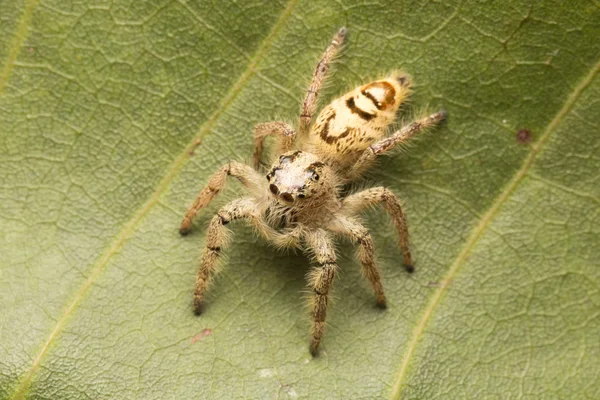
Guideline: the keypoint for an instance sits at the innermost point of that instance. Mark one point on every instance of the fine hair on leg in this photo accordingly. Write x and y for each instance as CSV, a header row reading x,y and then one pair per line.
x,y
216,241
355,203
243,173
284,134
360,236
310,101
399,137
320,280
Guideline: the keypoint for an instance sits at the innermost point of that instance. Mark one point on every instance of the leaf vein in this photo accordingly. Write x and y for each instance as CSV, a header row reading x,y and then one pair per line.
x,y
163,185
17,42
483,225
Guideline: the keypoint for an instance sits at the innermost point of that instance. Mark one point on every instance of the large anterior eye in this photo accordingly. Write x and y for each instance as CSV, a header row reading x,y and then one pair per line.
x,y
312,174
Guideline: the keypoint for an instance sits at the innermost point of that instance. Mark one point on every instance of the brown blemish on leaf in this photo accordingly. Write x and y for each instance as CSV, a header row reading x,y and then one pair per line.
x,y
524,136
205,332
196,144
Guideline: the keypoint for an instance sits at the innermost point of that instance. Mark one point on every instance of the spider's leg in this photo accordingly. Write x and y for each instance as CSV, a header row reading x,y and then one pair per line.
x,y
366,252
216,240
285,138
310,101
355,203
320,280
244,173
398,137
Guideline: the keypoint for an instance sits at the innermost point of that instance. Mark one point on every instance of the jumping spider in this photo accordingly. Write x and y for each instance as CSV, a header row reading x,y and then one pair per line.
x,y
300,205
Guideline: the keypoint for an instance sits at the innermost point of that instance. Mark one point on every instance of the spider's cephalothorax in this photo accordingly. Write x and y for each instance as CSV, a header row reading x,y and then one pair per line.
x,y
299,204
300,178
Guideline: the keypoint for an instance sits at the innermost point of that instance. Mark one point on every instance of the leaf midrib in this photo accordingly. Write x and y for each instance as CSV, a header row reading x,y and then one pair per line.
x,y
162,186
178,163
483,224
17,42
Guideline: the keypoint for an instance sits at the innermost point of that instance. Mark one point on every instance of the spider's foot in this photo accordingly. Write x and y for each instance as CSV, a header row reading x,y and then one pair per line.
x,y
440,116
185,227
314,347
382,303
198,306
409,268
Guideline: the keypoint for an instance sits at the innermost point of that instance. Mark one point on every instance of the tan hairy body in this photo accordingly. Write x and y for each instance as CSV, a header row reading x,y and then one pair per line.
x,y
300,205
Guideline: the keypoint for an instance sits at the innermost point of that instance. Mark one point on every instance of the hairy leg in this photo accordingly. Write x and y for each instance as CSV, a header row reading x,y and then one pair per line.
x,y
385,144
366,253
355,203
216,182
310,101
216,240
320,280
285,135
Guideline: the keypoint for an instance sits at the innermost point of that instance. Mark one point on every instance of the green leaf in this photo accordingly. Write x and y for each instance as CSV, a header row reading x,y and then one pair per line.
x,y
101,106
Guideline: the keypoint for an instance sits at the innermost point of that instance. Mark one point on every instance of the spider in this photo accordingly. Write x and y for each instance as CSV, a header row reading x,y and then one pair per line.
x,y
301,204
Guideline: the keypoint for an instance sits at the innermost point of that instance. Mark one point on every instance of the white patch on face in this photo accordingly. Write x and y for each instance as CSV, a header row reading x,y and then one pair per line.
x,y
292,175
290,178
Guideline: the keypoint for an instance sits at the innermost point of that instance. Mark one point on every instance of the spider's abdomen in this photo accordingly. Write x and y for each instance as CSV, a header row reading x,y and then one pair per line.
x,y
351,123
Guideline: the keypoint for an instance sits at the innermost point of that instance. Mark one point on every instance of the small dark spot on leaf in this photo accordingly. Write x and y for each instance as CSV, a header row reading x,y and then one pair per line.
x,y
524,136
205,332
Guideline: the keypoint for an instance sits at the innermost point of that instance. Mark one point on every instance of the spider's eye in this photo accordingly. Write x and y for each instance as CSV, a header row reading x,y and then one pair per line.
x,y
311,174
301,196
269,176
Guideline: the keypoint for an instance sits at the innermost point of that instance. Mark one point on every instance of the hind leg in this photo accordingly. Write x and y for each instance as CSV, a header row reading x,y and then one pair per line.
x,y
310,101
386,144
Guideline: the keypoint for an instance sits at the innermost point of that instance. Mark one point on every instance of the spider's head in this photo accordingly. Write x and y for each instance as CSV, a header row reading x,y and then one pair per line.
x,y
298,177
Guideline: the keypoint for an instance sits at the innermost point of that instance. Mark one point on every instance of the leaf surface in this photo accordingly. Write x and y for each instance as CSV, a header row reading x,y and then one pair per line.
x,y
102,107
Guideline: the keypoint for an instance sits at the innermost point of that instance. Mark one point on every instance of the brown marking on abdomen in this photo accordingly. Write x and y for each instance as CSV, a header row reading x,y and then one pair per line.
x,y
325,132
388,99
355,110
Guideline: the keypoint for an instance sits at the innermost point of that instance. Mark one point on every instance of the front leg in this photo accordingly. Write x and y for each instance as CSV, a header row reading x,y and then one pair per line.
x,y
399,137
216,240
320,280
355,203
244,173
286,136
